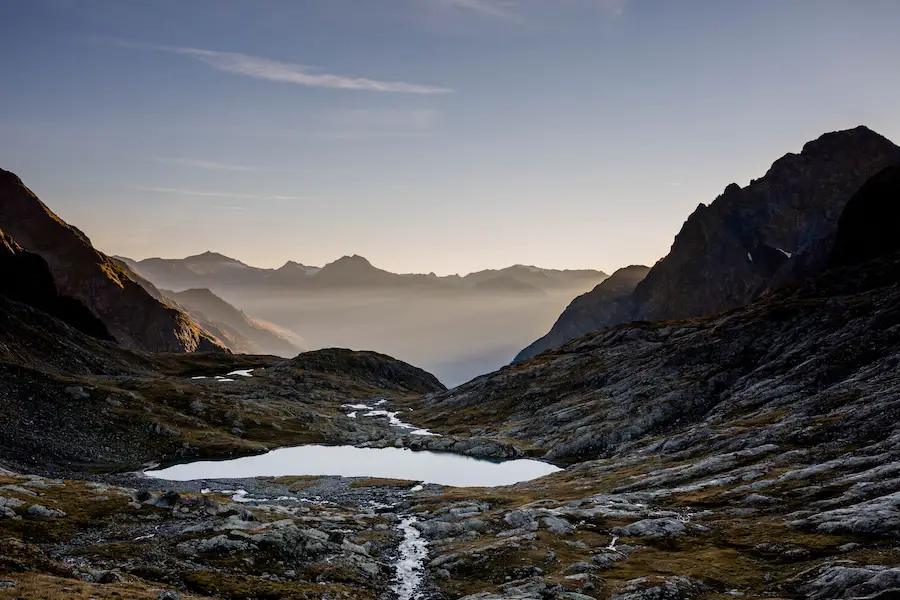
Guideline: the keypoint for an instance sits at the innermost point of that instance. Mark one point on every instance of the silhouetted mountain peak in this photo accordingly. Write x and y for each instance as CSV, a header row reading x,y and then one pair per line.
x,y
213,257
293,265
746,242
354,260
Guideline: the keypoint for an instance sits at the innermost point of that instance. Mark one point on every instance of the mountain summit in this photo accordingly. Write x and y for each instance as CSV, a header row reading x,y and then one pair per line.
x,y
777,230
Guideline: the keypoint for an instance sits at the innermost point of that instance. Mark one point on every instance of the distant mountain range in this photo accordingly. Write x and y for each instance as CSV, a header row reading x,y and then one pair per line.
x,y
214,270
750,241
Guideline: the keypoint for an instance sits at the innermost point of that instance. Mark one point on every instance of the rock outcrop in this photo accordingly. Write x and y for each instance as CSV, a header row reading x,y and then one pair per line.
x,y
750,241
131,316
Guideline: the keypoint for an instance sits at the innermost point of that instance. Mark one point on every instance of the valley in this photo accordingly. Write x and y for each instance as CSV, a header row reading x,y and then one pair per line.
x,y
747,452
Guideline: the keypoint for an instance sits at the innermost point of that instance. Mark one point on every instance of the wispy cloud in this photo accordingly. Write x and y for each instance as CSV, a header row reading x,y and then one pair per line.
x,y
500,9
216,194
287,72
515,10
205,164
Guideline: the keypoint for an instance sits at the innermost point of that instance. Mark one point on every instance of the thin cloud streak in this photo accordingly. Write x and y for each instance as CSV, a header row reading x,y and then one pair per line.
x,y
268,69
206,164
489,8
513,10
214,194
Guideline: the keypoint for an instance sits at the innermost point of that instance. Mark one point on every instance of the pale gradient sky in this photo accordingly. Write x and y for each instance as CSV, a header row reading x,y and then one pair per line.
x,y
426,135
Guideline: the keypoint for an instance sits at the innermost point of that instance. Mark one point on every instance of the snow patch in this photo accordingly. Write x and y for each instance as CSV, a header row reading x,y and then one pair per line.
x,y
242,372
786,253
749,257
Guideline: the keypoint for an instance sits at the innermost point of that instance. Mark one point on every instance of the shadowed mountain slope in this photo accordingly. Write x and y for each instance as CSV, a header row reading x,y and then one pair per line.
x,y
870,225
129,313
26,278
775,231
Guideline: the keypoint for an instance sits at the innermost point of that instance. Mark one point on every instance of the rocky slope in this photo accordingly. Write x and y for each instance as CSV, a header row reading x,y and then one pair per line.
x,y
27,279
129,313
747,455
751,240
830,345
609,302
240,332
750,454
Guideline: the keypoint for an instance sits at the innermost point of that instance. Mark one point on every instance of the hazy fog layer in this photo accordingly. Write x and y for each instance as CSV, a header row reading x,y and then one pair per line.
x,y
456,336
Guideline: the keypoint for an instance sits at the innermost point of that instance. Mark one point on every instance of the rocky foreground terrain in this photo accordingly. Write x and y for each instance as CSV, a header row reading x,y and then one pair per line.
x,y
749,454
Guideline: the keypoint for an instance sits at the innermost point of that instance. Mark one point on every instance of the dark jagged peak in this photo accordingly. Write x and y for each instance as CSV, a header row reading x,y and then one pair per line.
x,y
870,225
107,288
731,251
750,240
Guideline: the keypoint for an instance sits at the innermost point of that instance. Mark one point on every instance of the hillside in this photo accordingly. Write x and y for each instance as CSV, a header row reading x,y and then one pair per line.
x,y
239,332
131,316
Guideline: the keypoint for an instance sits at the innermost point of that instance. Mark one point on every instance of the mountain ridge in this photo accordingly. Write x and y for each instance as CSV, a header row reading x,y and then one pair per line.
x,y
753,240
346,271
132,317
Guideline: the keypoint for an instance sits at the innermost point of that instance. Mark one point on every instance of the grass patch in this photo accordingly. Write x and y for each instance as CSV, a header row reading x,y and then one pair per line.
x,y
377,482
234,587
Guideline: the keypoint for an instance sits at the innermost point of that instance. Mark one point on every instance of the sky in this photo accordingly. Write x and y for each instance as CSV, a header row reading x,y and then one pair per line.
x,y
427,135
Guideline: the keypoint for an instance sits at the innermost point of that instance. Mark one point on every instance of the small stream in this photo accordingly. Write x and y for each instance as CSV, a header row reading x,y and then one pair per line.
x,y
410,569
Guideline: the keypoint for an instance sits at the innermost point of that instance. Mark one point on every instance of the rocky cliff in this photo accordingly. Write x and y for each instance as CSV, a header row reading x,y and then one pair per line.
x,y
749,241
131,316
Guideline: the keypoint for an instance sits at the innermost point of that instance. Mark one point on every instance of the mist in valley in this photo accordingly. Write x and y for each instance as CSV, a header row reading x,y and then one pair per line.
x,y
456,335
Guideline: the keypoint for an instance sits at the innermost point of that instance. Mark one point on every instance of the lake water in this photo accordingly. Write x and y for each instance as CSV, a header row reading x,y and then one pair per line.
x,y
349,461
